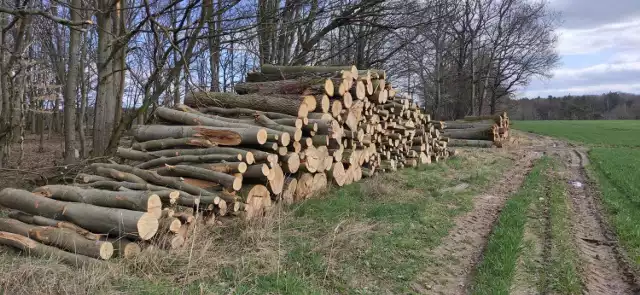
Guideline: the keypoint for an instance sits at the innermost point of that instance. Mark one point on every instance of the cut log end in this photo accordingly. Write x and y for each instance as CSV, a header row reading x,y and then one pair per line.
x,y
147,226
249,158
106,250
262,136
154,205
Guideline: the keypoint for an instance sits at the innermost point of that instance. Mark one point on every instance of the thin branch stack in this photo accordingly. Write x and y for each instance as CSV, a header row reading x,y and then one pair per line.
x,y
477,131
286,135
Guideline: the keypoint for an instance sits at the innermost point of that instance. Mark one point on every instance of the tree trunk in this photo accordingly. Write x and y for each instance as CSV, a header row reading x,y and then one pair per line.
x,y
71,88
167,143
80,120
155,178
247,156
454,142
226,180
304,86
101,220
43,221
34,248
62,238
218,135
283,105
470,133
106,96
137,201
189,159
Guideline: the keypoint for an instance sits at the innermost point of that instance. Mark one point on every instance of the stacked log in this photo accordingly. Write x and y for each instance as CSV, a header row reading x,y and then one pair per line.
x,y
287,134
477,131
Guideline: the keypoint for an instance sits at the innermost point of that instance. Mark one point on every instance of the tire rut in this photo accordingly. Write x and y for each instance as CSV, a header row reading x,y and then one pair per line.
x,y
605,269
464,245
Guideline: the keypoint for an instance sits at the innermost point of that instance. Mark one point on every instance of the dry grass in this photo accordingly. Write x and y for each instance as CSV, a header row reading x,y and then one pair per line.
x,y
369,237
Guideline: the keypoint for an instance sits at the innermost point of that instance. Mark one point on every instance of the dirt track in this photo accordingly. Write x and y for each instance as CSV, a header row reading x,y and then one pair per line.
x,y
604,268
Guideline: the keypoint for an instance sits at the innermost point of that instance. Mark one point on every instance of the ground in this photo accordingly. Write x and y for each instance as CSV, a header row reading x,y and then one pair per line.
x,y
539,216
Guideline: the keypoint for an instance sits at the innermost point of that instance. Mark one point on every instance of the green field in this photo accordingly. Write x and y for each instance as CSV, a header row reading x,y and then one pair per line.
x,y
615,165
603,132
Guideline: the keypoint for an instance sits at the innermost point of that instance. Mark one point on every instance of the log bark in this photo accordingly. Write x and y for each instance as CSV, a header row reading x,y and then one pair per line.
x,y
167,143
120,222
119,175
247,156
471,133
454,142
225,167
216,135
131,200
303,86
284,105
232,112
192,119
155,178
259,172
465,124
226,180
88,178
210,158
295,133
43,221
34,248
133,155
62,238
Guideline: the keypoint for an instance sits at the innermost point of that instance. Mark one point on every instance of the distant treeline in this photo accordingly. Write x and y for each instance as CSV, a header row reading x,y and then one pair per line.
x,y
607,106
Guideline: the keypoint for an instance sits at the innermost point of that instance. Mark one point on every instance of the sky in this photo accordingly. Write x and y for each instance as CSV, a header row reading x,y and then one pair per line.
x,y
599,48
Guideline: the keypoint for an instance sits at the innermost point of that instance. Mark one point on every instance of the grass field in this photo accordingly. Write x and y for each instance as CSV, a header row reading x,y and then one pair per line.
x,y
622,133
615,165
371,237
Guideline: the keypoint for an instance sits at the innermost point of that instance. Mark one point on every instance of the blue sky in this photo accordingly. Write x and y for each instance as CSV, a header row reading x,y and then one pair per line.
x,y
599,47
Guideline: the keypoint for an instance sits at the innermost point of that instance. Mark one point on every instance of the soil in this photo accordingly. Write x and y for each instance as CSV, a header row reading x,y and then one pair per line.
x,y
464,245
604,266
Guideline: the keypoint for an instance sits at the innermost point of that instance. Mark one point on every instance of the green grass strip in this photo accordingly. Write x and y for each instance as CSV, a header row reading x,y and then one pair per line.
x,y
495,272
562,272
616,171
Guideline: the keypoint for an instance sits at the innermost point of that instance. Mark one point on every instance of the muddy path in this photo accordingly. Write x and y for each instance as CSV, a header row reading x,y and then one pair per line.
x,y
603,264
463,247
606,270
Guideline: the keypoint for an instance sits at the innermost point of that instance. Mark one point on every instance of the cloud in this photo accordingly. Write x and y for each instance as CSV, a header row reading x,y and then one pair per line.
x,y
593,13
599,55
620,36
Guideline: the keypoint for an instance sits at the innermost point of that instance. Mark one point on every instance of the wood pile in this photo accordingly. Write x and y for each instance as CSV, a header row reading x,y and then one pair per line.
x,y
286,135
477,131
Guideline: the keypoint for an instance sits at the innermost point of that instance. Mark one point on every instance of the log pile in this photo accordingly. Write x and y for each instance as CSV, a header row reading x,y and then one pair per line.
x,y
477,131
285,135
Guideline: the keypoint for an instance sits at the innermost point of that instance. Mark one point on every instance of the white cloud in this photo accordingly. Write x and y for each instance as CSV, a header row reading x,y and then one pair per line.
x,y
618,36
605,68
